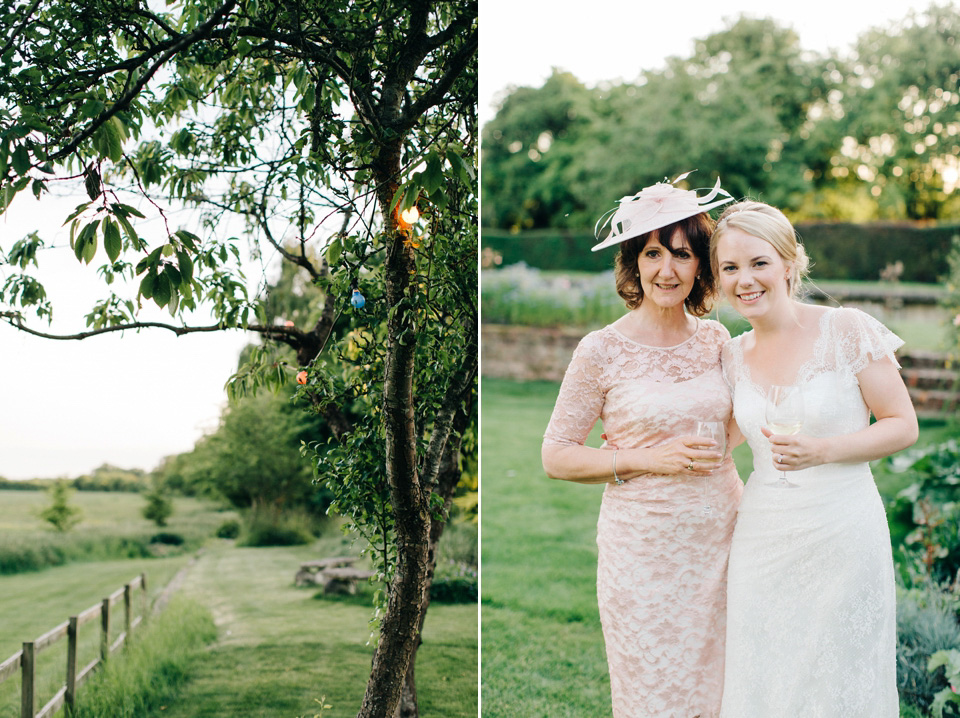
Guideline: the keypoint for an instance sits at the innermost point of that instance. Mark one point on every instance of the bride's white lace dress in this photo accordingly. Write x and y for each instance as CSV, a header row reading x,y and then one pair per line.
x,y
811,626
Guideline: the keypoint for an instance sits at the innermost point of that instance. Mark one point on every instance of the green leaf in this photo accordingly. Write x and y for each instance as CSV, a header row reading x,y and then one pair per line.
x,y
125,210
149,261
111,239
146,285
173,274
21,160
397,196
161,290
90,247
186,266
334,251
80,208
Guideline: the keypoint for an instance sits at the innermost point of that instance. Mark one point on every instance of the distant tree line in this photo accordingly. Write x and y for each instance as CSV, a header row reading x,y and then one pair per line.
x,y
103,478
869,134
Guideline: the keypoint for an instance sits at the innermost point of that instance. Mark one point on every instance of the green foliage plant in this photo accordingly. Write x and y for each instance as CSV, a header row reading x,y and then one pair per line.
x,y
60,514
927,511
229,529
159,508
271,526
926,624
950,661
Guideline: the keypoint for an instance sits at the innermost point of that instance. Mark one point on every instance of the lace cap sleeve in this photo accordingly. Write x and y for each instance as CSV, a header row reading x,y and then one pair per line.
x,y
581,395
861,339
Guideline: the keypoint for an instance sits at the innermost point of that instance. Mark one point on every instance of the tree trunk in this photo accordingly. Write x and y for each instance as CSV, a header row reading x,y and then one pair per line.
x,y
447,481
410,500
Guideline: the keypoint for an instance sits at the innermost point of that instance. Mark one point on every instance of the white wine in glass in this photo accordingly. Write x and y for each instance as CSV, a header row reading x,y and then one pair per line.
x,y
784,415
717,431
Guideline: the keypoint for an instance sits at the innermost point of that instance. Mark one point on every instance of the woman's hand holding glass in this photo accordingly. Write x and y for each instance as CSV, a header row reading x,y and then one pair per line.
x,y
689,455
784,415
716,431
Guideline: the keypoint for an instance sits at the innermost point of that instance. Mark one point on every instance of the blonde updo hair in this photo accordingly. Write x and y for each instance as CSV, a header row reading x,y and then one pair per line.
x,y
769,224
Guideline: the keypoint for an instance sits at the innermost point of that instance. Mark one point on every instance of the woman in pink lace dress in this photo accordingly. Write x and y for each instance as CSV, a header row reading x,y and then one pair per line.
x,y
650,377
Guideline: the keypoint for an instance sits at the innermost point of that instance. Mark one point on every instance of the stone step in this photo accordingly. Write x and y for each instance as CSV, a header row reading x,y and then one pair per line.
x,y
945,379
923,360
939,402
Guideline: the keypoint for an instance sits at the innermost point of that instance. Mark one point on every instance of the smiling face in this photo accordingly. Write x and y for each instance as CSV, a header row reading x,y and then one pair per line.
x,y
666,277
752,274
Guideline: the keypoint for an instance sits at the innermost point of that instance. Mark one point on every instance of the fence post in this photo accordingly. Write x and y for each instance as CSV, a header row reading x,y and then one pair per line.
x,y
143,588
105,630
126,610
28,673
71,695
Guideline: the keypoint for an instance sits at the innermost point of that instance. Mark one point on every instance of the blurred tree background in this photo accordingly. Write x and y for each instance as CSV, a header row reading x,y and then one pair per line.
x,y
872,134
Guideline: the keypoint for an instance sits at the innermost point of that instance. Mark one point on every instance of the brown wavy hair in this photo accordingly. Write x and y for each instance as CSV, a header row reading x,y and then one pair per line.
x,y
697,229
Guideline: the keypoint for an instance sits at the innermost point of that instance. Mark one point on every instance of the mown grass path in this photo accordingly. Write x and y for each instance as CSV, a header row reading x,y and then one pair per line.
x,y
280,647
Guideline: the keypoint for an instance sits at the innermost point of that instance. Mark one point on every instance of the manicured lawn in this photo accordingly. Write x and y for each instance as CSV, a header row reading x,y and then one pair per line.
x,y
282,647
542,644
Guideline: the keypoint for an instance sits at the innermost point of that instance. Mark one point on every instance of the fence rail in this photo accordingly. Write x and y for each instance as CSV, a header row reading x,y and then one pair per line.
x,y
25,658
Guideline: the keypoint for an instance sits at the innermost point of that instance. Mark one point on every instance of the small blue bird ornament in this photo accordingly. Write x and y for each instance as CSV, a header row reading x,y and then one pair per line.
x,y
357,300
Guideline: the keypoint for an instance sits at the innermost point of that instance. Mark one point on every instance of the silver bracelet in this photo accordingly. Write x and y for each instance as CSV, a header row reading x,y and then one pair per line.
x,y
617,480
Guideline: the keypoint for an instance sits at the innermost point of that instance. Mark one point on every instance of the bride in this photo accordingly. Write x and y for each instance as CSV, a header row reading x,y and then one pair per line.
x,y
811,627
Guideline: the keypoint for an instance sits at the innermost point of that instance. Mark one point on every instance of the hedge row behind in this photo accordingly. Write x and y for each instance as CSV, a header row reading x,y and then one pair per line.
x,y
839,250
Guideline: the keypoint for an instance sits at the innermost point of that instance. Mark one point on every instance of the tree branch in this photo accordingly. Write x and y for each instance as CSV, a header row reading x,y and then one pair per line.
x,y
288,335
453,67
443,422
203,30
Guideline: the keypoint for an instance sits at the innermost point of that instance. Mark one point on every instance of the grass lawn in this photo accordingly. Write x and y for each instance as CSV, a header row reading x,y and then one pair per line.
x,y
281,647
542,643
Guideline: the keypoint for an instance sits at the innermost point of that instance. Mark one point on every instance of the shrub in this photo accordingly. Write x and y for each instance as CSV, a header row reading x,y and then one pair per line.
x,y
60,513
275,527
454,590
159,508
229,529
155,664
925,625
169,539
925,515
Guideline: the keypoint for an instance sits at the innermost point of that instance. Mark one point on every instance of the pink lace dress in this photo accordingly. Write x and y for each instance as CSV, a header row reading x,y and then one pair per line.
x,y
662,564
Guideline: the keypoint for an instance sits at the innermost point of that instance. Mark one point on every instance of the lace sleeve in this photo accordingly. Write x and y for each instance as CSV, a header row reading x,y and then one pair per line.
x,y
727,363
581,396
861,339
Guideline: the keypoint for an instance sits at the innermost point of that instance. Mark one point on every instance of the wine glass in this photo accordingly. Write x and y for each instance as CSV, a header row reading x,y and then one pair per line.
x,y
784,414
717,431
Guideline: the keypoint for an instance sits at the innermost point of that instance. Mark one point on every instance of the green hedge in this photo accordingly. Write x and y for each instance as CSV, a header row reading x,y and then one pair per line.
x,y
839,250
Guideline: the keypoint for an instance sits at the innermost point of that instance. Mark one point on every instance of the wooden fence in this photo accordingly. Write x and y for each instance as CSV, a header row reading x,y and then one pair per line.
x,y
25,659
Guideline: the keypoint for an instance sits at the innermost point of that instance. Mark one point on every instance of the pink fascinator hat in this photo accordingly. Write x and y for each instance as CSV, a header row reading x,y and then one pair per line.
x,y
654,207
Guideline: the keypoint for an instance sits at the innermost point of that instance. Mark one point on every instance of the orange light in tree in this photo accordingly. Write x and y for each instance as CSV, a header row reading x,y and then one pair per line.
x,y
302,377
410,216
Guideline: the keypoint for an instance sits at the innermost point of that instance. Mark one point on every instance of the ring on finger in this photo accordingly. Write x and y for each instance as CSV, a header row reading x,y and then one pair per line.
x,y
779,458
690,466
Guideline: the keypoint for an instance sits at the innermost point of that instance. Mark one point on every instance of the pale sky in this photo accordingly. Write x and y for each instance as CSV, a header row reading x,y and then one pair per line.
x,y
67,407
609,40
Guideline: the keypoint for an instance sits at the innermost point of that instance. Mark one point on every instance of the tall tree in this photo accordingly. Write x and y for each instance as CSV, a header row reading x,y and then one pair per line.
x,y
899,115
315,123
